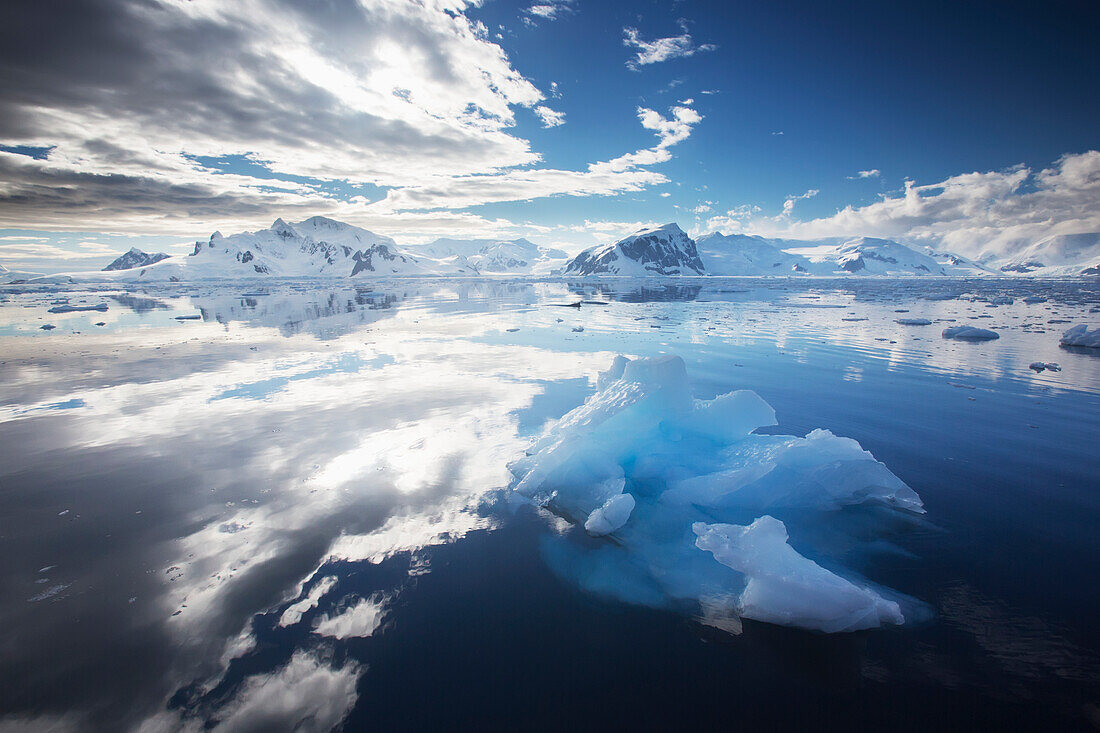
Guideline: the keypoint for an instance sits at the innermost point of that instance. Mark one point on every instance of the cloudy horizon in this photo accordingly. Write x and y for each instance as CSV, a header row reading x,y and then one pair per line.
x,y
155,122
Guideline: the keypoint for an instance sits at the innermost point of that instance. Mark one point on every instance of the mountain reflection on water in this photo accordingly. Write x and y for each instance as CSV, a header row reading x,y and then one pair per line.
x,y
285,506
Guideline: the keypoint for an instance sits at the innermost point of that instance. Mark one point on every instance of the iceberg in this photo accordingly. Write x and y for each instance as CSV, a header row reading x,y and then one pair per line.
x,y
664,476
969,333
1081,335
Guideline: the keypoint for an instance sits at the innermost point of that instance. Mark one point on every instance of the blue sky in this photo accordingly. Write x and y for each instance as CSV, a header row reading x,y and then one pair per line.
x,y
570,123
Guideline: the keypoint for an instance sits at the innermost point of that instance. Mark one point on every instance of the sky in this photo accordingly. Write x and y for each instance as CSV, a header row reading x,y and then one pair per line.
x,y
152,123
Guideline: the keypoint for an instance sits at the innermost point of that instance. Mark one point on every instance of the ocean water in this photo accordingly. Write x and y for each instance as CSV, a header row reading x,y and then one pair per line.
x,y
286,506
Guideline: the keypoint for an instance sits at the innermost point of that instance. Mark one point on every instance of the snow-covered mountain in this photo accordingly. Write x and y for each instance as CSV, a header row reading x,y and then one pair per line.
x,y
135,258
743,254
322,247
10,276
666,250
953,264
1057,255
491,256
872,256
746,254
316,247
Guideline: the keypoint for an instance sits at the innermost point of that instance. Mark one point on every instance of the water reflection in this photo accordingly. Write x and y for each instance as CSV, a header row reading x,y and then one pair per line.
x,y
238,521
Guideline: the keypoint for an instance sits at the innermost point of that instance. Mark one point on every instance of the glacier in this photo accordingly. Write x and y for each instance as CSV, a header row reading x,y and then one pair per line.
x,y
689,499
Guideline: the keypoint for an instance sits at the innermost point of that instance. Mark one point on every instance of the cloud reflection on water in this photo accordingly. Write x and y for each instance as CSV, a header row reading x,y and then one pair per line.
x,y
220,472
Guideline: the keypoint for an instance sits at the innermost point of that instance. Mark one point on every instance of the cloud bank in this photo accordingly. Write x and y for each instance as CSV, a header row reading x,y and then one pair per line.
x,y
976,214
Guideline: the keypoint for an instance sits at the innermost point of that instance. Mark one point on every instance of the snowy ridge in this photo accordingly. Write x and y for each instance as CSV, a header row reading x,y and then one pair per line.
x,y
510,256
665,250
746,254
135,258
873,256
315,247
1058,255
323,247
12,276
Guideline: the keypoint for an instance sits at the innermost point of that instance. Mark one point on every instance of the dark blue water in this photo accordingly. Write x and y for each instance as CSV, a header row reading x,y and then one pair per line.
x,y
292,512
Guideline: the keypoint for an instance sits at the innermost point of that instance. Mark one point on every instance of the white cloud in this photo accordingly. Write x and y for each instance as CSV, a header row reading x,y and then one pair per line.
x,y
625,173
873,173
380,92
975,214
549,10
29,252
661,49
549,117
788,205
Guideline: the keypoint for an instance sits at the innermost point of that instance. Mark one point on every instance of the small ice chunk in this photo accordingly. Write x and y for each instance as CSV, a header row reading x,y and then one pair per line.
x,y
1041,366
102,307
969,333
611,516
785,588
1081,335
914,321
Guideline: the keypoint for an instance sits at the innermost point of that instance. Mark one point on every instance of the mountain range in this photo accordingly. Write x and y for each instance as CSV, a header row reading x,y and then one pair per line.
x,y
323,247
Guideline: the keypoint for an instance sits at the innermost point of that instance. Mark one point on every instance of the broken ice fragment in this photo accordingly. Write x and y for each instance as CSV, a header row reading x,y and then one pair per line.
x,y
788,589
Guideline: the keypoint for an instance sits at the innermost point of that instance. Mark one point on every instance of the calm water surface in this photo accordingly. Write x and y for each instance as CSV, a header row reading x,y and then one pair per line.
x,y
285,507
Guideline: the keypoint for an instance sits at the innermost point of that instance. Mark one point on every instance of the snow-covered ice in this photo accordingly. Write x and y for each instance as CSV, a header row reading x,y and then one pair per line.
x,y
786,588
643,461
969,333
1081,335
611,516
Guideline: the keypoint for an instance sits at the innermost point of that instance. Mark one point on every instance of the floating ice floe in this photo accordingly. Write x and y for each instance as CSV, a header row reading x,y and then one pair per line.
x,y
664,476
784,587
1082,335
969,333
66,308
